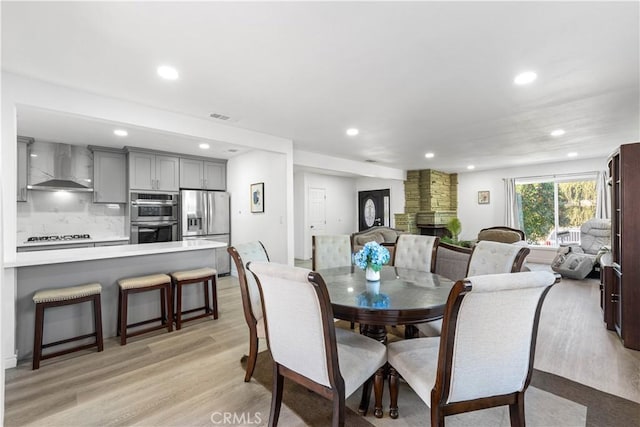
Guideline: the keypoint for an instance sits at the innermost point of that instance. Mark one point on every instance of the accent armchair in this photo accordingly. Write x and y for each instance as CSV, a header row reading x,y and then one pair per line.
x,y
577,261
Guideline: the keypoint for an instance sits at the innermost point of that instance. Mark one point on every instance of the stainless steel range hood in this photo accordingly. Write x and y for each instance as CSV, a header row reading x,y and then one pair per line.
x,y
60,167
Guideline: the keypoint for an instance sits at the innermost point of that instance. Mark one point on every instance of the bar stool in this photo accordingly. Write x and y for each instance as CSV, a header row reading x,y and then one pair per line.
x,y
66,296
139,284
188,277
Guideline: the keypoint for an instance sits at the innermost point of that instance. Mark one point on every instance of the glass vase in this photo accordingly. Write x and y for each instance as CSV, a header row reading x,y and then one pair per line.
x,y
372,275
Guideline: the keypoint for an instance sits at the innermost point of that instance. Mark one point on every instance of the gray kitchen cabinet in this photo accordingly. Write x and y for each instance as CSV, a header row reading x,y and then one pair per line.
x,y
148,171
202,175
23,168
215,176
109,176
191,174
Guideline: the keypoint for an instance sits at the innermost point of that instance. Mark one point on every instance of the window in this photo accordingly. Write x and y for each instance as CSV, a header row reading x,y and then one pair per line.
x,y
552,209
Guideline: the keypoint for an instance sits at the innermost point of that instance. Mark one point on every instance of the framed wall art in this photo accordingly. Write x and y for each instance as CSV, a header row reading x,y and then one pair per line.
x,y
257,197
483,197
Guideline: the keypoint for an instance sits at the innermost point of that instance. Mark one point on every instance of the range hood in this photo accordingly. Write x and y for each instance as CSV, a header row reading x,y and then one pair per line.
x,y
60,167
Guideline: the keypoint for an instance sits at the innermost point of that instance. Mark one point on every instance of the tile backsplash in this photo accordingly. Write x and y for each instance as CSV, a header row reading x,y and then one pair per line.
x,y
59,213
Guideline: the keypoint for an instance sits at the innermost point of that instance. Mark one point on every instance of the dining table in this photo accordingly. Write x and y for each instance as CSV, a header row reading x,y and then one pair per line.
x,y
401,297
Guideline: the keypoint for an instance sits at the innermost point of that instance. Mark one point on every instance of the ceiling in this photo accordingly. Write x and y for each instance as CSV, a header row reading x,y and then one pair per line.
x,y
413,77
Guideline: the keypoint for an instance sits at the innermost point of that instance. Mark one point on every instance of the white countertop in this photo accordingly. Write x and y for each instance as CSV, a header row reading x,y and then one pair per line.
x,y
24,259
71,241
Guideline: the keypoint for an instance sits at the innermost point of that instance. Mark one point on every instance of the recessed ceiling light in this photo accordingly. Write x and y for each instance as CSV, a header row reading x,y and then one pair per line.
x,y
204,146
572,154
167,72
558,132
352,132
525,78
120,132
33,155
471,167
429,155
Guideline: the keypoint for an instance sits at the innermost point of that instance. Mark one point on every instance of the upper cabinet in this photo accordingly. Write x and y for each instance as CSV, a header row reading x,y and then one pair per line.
x,y
215,176
109,175
23,168
148,171
202,174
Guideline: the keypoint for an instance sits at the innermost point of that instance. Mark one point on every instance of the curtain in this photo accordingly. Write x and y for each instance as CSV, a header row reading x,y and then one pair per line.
x,y
603,196
511,211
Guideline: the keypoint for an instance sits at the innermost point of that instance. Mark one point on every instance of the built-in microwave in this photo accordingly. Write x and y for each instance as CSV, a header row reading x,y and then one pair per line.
x,y
153,232
147,207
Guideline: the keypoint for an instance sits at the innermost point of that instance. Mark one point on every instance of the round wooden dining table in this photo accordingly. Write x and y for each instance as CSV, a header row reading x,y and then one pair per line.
x,y
401,297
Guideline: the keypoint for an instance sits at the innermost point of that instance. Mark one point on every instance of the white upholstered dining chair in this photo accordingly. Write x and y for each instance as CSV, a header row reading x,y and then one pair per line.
x,y
487,257
416,252
304,343
252,307
484,357
329,251
494,257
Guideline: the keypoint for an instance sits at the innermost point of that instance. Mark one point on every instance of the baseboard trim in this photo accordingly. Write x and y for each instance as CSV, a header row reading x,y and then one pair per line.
x,y
10,362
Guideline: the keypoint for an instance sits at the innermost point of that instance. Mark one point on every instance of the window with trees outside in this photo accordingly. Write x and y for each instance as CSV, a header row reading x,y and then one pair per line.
x,y
553,209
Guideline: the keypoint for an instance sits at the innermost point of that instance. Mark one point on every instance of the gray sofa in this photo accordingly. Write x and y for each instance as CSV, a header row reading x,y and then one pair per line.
x,y
386,236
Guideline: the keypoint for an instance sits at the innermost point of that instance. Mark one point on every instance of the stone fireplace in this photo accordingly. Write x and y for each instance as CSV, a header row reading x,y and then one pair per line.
x,y
431,200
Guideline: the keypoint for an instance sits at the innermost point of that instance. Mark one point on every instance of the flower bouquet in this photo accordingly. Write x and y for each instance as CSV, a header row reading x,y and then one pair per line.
x,y
371,258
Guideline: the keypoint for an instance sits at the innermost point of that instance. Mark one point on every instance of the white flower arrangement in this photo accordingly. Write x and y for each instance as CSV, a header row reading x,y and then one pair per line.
x,y
372,255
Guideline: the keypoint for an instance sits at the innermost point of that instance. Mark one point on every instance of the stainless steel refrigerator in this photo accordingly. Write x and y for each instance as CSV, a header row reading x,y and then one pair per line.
x,y
206,215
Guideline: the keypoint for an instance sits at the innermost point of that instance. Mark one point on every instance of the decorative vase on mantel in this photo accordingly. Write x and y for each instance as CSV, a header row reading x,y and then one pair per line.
x,y
372,275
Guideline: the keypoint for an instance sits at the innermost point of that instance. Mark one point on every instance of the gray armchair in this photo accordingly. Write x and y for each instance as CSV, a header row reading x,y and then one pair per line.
x,y
577,261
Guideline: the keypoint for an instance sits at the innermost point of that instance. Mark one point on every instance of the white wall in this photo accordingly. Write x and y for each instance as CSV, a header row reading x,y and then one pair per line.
x,y
341,215
269,227
396,193
2,302
475,217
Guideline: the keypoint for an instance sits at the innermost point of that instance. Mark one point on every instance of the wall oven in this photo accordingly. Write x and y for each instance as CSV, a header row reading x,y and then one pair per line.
x,y
152,232
154,207
154,217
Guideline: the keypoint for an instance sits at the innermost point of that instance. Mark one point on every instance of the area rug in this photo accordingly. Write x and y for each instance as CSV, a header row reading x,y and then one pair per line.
x,y
602,409
314,409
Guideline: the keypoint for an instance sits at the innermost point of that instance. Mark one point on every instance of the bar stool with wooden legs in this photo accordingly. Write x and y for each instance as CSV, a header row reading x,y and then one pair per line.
x,y
66,296
139,284
188,277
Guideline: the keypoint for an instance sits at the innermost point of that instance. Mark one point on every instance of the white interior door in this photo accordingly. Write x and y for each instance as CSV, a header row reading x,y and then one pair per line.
x,y
317,215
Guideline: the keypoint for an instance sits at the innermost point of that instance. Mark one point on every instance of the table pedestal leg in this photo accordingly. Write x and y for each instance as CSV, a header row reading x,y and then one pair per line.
x,y
377,332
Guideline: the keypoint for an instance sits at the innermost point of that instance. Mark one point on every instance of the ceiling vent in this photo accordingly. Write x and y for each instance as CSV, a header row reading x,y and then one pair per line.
x,y
219,116
371,161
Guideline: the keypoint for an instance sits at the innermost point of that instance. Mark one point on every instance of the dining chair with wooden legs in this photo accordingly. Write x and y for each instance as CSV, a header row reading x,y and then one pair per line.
x,y
485,355
306,346
251,305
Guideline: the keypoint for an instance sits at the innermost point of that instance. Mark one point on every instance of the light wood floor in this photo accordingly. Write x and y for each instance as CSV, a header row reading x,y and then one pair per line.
x,y
185,377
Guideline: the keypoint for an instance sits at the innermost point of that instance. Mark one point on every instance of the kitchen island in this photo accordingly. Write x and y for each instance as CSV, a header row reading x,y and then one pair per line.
x,y
32,271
